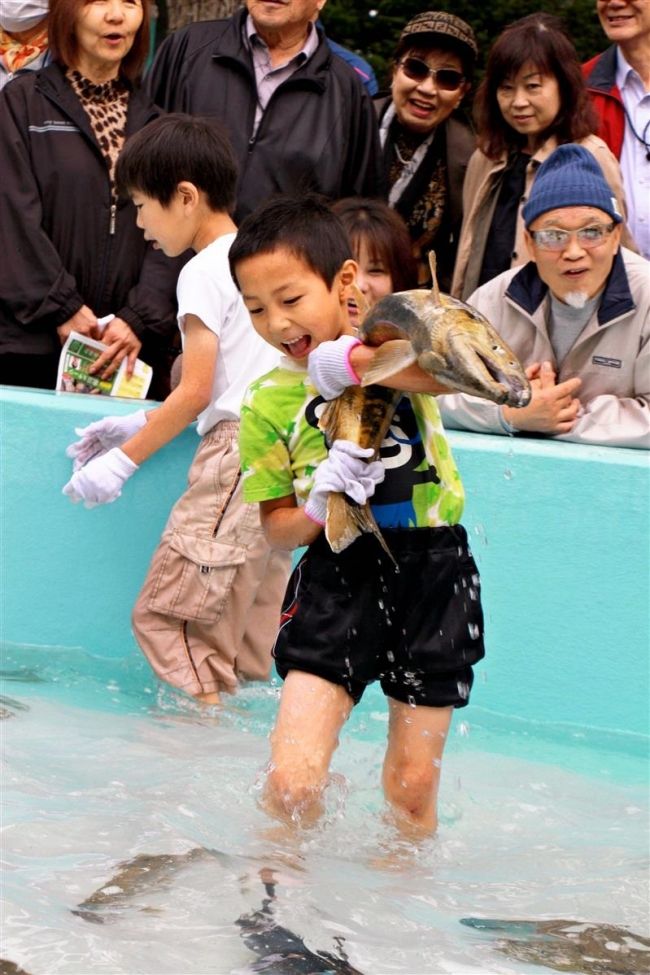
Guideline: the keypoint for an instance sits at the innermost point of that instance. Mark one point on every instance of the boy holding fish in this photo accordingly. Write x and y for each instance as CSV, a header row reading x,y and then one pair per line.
x,y
408,615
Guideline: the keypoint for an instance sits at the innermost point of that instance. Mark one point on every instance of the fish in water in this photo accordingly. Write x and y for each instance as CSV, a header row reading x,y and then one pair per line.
x,y
280,951
9,707
574,947
11,968
448,339
277,950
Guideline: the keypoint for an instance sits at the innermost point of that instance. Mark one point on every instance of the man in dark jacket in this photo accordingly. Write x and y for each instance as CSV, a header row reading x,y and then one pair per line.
x,y
298,116
619,83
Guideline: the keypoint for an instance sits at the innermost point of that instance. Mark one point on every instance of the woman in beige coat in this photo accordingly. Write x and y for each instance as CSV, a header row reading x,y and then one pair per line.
x,y
531,100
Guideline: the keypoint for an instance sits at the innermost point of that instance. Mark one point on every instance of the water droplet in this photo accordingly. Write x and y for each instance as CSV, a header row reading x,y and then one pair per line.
x,y
411,701
508,474
474,630
463,690
463,729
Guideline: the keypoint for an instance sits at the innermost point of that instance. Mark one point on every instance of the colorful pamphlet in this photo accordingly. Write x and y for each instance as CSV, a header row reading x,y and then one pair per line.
x,y
77,356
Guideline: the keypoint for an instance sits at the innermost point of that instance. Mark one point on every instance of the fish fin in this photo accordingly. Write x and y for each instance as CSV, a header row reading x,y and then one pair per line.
x,y
390,358
347,521
435,290
360,300
328,421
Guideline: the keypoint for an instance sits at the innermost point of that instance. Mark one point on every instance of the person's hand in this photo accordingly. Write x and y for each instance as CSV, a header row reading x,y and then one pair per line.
x,y
101,480
347,469
100,436
83,321
329,366
553,407
122,343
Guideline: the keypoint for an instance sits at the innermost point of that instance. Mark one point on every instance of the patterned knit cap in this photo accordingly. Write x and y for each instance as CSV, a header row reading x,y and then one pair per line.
x,y
570,177
443,24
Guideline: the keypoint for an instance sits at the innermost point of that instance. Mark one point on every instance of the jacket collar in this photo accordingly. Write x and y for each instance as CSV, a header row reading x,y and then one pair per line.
x,y
52,82
603,74
231,46
528,291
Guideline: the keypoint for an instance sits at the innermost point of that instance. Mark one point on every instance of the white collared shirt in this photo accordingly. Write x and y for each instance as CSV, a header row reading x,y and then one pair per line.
x,y
635,165
267,76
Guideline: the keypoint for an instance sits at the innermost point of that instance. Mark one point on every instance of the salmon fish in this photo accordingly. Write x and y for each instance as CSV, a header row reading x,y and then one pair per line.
x,y
448,339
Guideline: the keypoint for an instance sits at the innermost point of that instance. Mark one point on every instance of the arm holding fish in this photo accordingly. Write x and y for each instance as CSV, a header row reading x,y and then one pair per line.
x,y
343,362
285,524
347,469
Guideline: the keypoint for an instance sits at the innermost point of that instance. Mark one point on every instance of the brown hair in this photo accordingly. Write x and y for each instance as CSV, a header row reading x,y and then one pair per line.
x,y
63,41
542,40
385,235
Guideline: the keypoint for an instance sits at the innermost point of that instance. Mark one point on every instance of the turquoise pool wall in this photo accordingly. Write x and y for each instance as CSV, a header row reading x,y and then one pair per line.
x,y
560,532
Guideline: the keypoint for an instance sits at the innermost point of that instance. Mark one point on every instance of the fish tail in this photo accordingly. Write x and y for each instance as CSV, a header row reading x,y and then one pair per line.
x,y
347,521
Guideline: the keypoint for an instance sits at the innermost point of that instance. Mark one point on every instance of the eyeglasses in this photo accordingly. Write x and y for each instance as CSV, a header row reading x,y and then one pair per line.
x,y
418,70
554,239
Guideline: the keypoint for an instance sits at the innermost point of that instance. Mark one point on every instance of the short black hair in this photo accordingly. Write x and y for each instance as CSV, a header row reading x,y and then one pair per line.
x,y
304,225
179,147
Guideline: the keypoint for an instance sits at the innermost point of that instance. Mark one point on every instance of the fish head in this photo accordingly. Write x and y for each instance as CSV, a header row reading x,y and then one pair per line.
x,y
450,340
477,360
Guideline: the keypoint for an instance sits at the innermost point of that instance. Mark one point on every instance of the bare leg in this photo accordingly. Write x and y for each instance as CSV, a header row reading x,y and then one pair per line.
x,y
209,697
416,739
311,714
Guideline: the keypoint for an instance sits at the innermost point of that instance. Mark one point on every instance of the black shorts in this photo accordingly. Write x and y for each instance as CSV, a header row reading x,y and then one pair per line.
x,y
352,618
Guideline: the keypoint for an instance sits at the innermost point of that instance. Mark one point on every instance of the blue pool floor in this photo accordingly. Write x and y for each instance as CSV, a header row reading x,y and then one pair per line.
x,y
540,861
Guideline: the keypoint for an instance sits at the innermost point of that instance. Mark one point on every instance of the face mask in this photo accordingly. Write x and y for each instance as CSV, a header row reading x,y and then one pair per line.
x,y
19,15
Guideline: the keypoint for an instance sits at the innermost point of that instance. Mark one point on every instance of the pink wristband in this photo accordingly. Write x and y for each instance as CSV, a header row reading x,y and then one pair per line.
x,y
356,380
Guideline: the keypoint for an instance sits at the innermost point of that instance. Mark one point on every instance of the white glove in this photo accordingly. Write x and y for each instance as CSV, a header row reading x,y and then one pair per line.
x,y
100,436
345,470
329,366
101,480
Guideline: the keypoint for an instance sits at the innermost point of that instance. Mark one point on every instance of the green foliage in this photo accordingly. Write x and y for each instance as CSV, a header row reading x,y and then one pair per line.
x,y
374,36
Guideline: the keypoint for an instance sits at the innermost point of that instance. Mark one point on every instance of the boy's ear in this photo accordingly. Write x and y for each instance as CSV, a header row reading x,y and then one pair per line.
x,y
188,193
348,274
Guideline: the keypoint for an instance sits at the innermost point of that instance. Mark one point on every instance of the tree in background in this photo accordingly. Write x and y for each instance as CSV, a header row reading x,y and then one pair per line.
x,y
372,29
176,13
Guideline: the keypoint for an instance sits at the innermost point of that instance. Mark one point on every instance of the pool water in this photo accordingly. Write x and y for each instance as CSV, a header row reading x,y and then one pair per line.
x,y
133,841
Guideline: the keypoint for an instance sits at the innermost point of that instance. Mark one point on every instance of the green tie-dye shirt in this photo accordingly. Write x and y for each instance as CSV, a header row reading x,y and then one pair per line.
x,y
281,446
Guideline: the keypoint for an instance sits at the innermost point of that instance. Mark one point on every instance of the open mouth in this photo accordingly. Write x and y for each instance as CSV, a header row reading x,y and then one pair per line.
x,y
421,107
515,392
298,348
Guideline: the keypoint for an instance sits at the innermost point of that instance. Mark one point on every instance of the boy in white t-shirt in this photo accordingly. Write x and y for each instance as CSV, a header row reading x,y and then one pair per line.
x,y
209,608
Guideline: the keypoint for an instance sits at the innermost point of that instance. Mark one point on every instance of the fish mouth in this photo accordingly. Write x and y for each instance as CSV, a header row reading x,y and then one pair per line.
x,y
515,390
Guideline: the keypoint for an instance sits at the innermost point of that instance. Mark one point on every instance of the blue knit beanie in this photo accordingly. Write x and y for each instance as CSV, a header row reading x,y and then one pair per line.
x,y
570,177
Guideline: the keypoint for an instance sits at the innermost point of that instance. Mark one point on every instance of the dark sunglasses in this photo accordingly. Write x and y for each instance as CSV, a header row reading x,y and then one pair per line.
x,y
418,70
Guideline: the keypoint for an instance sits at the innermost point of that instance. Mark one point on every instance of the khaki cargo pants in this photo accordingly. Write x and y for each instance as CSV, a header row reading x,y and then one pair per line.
x,y
209,609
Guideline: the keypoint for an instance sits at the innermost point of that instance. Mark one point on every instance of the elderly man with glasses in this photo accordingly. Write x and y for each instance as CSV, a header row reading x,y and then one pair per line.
x,y
578,316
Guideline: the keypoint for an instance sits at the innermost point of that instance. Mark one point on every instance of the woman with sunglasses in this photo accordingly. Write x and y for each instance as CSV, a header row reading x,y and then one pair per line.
x,y
531,100
426,140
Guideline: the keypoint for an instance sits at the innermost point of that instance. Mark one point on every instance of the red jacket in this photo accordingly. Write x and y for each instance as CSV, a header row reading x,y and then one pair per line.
x,y
600,77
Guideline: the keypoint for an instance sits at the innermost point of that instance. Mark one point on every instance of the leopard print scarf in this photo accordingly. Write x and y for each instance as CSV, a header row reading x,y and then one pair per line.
x,y
106,106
